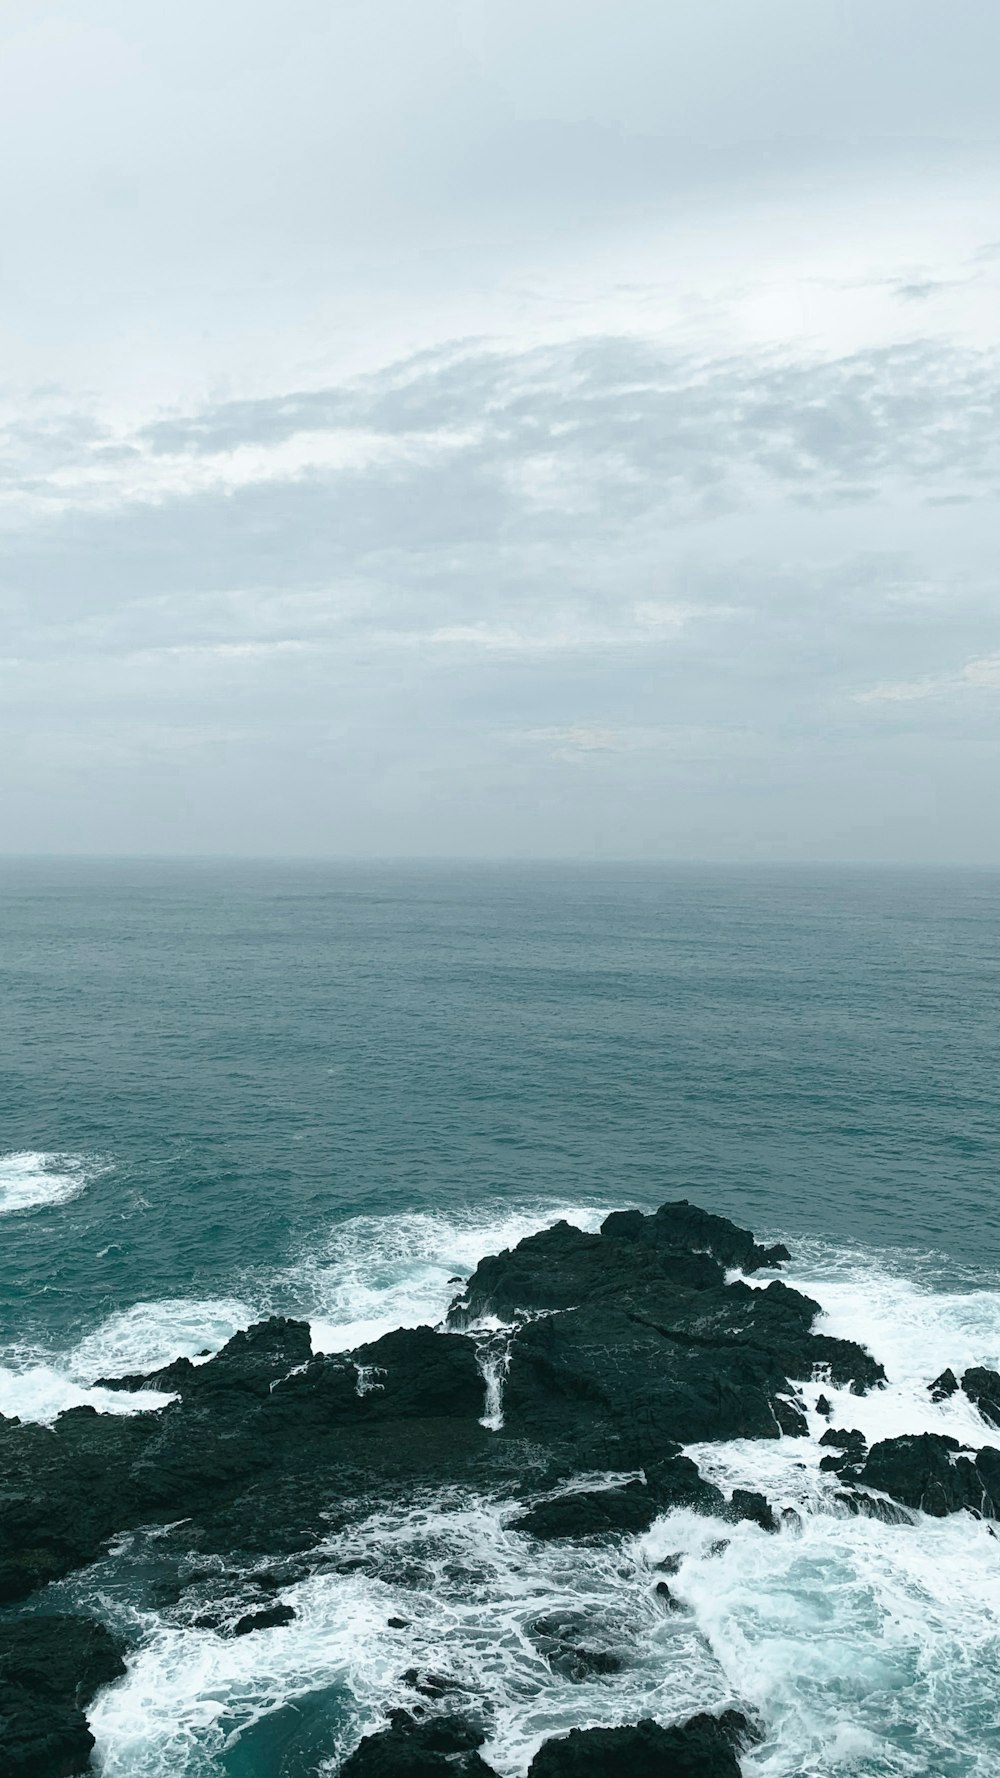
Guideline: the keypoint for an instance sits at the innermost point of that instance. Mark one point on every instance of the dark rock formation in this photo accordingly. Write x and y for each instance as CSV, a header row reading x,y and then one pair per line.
x,y
269,1619
982,1386
267,1446
251,1361
851,1448
870,1506
943,1386
746,1504
50,1668
649,1345
624,1346
704,1747
602,1512
443,1747
933,1474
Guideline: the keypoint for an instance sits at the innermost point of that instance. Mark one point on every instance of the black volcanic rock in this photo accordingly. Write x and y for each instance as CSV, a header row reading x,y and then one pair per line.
x,y
851,1449
686,1227
627,1373
746,1503
704,1747
50,1668
626,1345
272,1617
943,1386
601,1512
442,1747
931,1473
251,1362
982,1386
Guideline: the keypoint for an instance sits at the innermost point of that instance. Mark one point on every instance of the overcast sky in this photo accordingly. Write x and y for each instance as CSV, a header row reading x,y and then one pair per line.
x,y
501,428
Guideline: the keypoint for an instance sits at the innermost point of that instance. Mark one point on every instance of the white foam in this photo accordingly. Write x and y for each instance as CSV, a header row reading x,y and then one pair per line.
x,y
39,1386
40,1392
149,1335
31,1178
865,1647
916,1332
472,1593
378,1273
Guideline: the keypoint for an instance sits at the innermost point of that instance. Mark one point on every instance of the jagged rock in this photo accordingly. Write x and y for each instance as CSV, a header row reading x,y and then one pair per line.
x,y
637,1360
692,1230
746,1504
443,1747
566,1639
853,1441
429,1685
943,1386
851,1448
931,1473
251,1361
823,1407
50,1668
869,1506
268,1449
790,1418
982,1387
270,1619
704,1747
600,1512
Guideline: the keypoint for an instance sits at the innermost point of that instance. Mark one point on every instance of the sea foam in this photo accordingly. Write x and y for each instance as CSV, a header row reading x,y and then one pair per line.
x,y
30,1179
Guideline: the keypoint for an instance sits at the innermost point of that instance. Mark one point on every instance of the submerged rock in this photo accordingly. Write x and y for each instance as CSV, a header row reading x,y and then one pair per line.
x,y
272,1618
50,1668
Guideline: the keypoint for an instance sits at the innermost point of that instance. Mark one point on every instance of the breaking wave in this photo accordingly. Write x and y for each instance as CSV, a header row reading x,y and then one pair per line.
x,y
30,1179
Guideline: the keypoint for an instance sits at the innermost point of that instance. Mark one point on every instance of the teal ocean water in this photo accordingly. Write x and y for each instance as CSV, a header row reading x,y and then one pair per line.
x,y
232,1088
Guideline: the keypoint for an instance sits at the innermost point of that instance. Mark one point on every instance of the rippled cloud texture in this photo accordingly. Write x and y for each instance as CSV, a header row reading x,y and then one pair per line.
x,y
479,430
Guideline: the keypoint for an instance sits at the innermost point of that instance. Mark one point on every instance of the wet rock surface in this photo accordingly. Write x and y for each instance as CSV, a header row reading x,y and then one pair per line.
x,y
982,1387
624,1346
50,1668
705,1747
934,1474
412,1749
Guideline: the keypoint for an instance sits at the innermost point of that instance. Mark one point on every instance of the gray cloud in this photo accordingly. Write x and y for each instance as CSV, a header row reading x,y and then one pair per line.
x,y
599,557
502,435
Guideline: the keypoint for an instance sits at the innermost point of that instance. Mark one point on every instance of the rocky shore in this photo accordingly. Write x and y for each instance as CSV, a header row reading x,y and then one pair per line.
x,y
571,1356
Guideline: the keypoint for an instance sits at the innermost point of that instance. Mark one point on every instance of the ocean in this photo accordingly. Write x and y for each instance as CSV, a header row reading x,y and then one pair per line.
x,y
228,1089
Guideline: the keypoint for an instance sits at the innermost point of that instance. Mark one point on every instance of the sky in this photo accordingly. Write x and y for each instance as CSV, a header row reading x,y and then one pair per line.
x,y
482,428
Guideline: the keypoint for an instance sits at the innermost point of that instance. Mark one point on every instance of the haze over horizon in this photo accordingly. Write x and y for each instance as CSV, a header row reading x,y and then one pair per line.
x,y
525,431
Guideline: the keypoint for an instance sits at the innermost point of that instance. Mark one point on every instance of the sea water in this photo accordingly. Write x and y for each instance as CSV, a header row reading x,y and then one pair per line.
x,y
232,1089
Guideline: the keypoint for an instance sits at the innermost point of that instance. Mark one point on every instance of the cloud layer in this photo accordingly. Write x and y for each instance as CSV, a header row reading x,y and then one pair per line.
x,y
556,430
